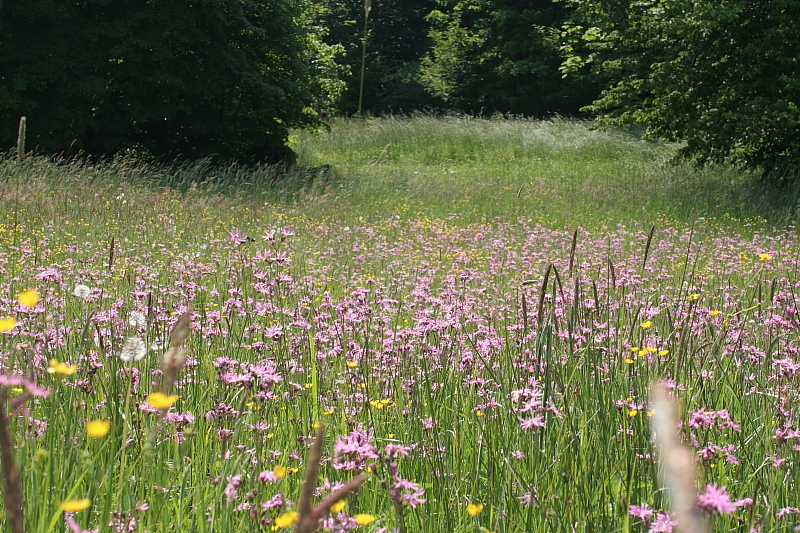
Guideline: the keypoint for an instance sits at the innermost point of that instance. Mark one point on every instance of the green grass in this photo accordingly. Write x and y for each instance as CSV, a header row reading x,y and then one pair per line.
x,y
412,289
558,172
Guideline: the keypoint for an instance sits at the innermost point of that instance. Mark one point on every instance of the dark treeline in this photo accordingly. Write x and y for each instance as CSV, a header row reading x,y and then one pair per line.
x,y
230,78
469,56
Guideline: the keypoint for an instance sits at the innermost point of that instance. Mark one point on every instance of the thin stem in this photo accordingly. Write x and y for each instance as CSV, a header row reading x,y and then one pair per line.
x,y
367,9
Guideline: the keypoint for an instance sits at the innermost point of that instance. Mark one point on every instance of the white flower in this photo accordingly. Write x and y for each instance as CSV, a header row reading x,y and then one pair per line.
x,y
133,349
82,291
158,345
137,319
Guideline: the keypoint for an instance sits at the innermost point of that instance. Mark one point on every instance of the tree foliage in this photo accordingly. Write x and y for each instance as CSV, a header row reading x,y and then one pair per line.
x,y
722,76
182,78
397,39
502,55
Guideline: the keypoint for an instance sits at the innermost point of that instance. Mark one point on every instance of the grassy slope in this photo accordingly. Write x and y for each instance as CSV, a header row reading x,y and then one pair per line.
x,y
557,172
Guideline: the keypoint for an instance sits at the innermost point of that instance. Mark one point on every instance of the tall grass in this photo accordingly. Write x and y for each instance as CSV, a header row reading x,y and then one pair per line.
x,y
559,172
487,359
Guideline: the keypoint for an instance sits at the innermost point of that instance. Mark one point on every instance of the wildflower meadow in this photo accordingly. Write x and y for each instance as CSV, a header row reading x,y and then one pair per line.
x,y
171,358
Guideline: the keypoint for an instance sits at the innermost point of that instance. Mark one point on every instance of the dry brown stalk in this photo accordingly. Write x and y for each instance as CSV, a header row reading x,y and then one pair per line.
x,y
174,358
309,518
677,463
12,491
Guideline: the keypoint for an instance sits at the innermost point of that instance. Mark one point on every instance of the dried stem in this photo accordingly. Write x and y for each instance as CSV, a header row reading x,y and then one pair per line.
x,y
12,492
306,522
309,518
677,462
23,126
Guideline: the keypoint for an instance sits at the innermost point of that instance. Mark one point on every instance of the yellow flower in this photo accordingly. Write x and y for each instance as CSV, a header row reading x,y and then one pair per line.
x,y
694,296
7,324
351,364
329,412
628,360
98,428
713,312
279,471
74,506
474,509
62,369
647,324
159,400
478,413
663,352
28,298
338,506
287,519
362,519
633,412
743,256
764,257
376,404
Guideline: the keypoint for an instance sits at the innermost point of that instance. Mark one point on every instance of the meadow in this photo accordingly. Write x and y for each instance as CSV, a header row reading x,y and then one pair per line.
x,y
474,309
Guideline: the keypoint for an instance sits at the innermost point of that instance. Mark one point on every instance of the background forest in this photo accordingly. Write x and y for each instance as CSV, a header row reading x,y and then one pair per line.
x,y
231,78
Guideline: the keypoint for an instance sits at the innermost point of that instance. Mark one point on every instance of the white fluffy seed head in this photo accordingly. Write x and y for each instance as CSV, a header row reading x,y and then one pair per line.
x,y
82,291
133,349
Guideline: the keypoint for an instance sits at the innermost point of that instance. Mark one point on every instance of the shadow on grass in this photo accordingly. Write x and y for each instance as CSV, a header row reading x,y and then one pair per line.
x,y
280,183
721,191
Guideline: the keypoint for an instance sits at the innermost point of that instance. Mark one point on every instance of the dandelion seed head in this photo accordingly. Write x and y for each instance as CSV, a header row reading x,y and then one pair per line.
x,y
81,291
133,349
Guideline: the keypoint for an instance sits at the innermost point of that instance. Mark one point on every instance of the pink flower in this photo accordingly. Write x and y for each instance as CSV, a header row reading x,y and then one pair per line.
x,y
662,524
715,500
642,512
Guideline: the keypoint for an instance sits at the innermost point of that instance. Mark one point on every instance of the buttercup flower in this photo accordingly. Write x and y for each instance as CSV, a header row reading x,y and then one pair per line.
x,y
62,369
28,298
287,519
7,324
74,506
98,428
338,506
362,519
159,400
474,509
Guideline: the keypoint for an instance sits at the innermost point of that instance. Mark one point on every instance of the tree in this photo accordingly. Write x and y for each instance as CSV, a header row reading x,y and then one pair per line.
x,y
502,55
178,78
721,76
397,40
